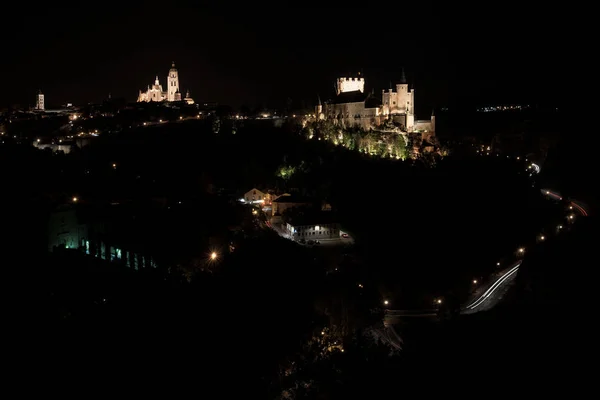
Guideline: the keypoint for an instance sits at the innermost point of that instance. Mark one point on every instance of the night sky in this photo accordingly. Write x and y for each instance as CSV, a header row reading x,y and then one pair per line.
x,y
261,56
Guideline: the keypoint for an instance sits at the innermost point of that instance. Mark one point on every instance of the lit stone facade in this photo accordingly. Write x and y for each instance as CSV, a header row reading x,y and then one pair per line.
x,y
350,84
39,103
173,93
352,107
156,92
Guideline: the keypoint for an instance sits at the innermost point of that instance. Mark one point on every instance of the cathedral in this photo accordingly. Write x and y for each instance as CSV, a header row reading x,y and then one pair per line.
x,y
352,106
172,93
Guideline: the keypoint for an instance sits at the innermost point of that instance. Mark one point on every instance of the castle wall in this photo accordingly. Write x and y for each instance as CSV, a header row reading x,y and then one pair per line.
x,y
423,125
353,114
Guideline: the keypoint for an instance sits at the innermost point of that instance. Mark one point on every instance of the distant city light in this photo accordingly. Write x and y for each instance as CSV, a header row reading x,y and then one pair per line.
x,y
385,302
75,199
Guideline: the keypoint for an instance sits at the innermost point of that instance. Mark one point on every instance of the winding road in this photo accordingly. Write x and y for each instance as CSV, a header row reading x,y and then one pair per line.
x,y
488,295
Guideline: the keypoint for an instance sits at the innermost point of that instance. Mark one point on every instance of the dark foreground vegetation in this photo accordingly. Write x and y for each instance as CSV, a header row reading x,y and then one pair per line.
x,y
251,323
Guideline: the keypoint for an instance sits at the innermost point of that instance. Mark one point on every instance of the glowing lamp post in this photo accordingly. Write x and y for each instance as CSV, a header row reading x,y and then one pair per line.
x,y
213,256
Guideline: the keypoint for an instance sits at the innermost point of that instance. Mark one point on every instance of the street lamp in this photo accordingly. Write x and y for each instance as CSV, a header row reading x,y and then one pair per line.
x,y
439,301
521,250
542,237
213,256
74,199
385,302
474,281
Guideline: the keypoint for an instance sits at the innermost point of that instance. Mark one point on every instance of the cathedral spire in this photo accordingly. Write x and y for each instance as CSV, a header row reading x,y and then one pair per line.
x,y
403,77
156,81
318,99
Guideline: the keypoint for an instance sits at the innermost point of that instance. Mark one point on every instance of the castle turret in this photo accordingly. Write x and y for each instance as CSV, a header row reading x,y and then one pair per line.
x,y
319,108
188,98
173,84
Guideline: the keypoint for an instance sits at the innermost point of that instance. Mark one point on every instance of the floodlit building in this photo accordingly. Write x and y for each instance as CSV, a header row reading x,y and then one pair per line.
x,y
39,101
157,93
353,107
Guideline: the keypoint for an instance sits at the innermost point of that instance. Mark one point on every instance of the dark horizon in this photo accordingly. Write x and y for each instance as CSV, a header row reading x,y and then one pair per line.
x,y
80,54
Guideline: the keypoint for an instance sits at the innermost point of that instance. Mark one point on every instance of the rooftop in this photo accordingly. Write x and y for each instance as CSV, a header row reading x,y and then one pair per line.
x,y
312,218
355,96
293,199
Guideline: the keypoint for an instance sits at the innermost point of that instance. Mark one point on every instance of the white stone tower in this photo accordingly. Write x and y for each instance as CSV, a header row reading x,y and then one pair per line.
x,y
350,84
39,104
173,84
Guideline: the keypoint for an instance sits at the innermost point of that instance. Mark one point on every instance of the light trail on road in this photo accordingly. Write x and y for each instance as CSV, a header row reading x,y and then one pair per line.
x,y
572,203
579,208
494,286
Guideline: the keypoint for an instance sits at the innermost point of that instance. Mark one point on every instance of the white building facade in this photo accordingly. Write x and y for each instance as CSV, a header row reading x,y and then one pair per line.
x,y
39,102
156,92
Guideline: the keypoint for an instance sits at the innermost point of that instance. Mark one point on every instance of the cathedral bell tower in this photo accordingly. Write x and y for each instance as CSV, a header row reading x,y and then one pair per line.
x,y
173,84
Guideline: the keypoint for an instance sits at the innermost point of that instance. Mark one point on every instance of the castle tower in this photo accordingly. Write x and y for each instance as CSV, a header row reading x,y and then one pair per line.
x,y
403,97
39,104
350,84
173,84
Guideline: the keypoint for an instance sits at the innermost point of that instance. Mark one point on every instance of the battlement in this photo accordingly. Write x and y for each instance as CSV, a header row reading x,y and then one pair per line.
x,y
349,84
350,79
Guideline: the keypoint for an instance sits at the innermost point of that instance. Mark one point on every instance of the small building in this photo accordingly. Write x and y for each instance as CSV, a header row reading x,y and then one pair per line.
x,y
255,196
286,202
314,226
69,228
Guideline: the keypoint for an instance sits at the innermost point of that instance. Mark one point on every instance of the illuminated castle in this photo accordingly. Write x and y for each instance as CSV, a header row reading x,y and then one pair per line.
x,y
353,107
156,92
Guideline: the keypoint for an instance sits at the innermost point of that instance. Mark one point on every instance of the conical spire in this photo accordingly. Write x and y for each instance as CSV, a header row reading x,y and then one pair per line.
x,y
403,77
318,99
